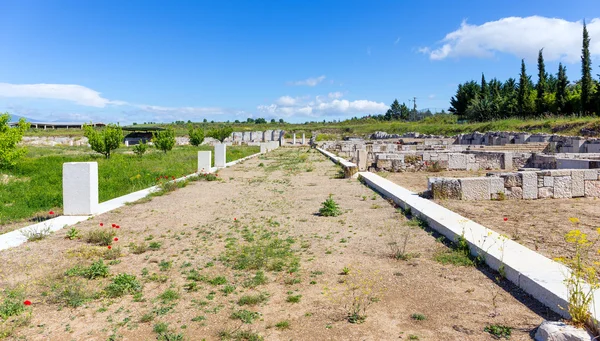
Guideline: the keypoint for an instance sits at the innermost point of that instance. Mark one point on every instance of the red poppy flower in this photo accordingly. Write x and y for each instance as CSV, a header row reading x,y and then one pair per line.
x,y
51,212
101,224
505,219
109,247
234,219
27,302
113,225
118,226
116,239
173,177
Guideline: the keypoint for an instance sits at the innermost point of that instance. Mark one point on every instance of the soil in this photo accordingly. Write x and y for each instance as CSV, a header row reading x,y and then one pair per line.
x,y
540,225
274,196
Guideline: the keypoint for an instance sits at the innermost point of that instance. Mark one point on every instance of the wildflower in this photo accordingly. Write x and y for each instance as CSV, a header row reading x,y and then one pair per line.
x,y
173,177
27,302
574,220
118,227
51,212
116,239
101,224
109,247
113,225
234,219
505,219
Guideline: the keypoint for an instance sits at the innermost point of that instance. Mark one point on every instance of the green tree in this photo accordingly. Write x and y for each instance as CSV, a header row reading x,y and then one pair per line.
x,y
140,148
9,138
105,140
484,88
260,120
281,120
523,94
561,89
540,103
464,95
482,109
220,133
196,135
164,139
586,73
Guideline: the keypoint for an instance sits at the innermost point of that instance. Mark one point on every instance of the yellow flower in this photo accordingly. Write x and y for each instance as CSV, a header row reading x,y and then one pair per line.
x,y
574,220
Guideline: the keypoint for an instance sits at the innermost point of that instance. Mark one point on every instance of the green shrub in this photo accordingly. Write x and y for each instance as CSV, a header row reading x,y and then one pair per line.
x,y
164,140
220,133
196,136
9,139
73,233
293,298
330,208
499,331
140,148
12,303
101,237
123,284
97,270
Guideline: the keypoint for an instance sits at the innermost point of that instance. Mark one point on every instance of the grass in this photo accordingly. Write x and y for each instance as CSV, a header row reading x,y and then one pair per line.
x,y
418,317
123,284
245,316
97,270
37,184
240,335
282,325
253,299
268,253
12,303
293,298
499,331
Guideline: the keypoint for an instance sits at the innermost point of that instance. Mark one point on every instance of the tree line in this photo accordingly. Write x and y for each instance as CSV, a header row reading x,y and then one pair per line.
x,y
552,94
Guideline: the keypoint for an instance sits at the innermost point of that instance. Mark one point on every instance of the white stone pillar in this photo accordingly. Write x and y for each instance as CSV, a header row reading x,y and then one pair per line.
x,y
204,161
303,139
294,139
80,188
126,143
263,147
220,153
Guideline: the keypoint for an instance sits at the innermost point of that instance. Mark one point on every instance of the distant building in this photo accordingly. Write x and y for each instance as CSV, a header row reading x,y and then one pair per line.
x,y
60,125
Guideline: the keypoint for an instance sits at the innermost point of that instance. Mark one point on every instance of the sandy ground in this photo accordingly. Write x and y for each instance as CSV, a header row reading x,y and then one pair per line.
x,y
538,224
278,199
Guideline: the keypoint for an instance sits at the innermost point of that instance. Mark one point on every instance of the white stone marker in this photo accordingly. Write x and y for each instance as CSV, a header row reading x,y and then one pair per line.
x,y
80,188
204,161
263,147
303,139
126,143
220,155
294,140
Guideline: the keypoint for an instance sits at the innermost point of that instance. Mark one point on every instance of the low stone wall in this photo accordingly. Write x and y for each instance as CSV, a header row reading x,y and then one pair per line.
x,y
556,183
556,143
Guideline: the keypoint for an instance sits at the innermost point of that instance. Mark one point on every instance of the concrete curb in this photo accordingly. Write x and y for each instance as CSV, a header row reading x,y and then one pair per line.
x,y
350,169
16,237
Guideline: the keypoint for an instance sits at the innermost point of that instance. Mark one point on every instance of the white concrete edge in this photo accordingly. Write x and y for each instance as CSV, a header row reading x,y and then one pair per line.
x,y
537,275
17,237
336,159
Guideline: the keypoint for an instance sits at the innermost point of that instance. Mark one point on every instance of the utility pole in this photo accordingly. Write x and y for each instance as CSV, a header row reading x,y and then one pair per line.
x,y
414,100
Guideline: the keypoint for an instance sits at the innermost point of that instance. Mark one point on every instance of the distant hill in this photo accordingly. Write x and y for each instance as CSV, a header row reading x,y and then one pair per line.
x,y
16,118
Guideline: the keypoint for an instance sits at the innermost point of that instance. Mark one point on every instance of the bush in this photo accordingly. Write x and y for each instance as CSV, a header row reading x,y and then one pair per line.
x,y
96,270
196,136
104,141
123,284
100,237
330,208
140,148
220,134
9,138
12,305
164,140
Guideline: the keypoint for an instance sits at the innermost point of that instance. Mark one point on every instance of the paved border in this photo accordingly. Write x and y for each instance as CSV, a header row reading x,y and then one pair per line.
x,y
537,275
16,237
350,169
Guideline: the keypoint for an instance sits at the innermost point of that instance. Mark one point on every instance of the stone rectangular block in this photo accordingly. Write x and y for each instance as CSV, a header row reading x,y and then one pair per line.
x,y
530,188
457,161
548,181
446,188
562,187
204,161
264,147
220,158
80,188
590,174
577,185
514,193
592,188
475,188
361,160
545,192
507,161
512,180
496,185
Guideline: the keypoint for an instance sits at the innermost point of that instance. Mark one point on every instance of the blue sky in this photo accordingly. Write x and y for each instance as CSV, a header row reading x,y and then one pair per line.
x,y
136,61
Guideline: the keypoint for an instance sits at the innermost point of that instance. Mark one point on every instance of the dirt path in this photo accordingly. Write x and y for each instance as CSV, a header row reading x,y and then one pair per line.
x,y
260,217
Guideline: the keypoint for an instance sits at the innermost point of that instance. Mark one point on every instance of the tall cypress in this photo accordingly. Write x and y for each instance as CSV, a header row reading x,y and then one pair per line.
x,y
586,73
484,87
523,88
540,104
561,88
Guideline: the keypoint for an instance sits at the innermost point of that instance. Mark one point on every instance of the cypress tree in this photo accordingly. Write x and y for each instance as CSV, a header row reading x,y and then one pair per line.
x,y
586,73
561,88
540,104
484,88
523,89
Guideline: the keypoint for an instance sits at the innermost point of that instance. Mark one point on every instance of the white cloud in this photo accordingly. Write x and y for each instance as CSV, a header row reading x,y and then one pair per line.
x,y
286,100
432,96
329,105
309,82
397,41
68,92
522,37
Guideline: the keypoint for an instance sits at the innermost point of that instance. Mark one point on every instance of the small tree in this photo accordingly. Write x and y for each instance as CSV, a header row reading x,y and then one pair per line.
x,y
196,136
9,138
220,134
140,148
104,141
164,140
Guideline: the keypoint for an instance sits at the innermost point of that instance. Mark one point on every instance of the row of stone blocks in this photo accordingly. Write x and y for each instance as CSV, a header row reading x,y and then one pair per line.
x,y
561,183
257,136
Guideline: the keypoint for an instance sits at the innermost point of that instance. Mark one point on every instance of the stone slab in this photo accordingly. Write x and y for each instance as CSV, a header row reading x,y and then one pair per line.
x,y
475,188
530,185
80,188
592,188
562,187
577,185
545,192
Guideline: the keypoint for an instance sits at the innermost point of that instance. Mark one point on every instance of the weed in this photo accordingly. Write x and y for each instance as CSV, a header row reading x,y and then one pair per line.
x,y
147,318
418,317
71,293
73,233
258,279
433,167
168,296
413,337
160,328
138,248
101,237
199,318
165,265
228,289
358,294
293,298
219,280
245,316
253,299
240,335
499,331
97,270
37,233
122,284
154,245
283,325
345,271
12,303
272,254
330,208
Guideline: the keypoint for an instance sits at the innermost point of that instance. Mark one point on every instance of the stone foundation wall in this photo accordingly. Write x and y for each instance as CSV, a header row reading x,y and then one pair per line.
x,y
556,183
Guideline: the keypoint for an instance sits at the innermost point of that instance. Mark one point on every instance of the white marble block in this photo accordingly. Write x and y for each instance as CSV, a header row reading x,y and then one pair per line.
x,y
264,147
204,161
80,188
220,153
303,139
